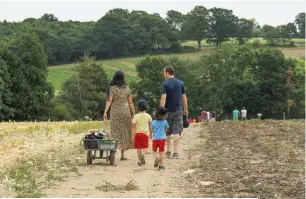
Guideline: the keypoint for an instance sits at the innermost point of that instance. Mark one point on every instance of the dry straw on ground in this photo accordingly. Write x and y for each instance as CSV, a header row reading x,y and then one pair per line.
x,y
35,155
263,159
130,186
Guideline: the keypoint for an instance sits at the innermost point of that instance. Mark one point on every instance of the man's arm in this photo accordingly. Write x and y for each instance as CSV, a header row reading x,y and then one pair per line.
x,y
164,96
163,100
184,99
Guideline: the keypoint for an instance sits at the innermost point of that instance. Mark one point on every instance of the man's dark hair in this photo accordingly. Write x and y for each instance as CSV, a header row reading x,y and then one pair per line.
x,y
161,113
142,105
170,70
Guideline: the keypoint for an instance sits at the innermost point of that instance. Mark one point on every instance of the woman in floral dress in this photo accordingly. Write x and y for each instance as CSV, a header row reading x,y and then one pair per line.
x,y
119,98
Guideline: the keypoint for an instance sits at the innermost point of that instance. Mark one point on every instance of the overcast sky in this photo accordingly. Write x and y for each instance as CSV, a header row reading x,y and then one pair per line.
x,y
265,12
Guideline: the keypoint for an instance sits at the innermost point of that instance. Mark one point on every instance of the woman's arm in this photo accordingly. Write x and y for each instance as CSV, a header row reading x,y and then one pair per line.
x,y
133,130
131,105
108,103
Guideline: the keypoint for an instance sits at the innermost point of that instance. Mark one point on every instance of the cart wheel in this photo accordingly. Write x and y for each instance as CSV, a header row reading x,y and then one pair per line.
x,y
112,158
89,157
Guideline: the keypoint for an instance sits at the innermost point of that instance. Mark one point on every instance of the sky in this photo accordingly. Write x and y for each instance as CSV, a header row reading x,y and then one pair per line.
x,y
265,12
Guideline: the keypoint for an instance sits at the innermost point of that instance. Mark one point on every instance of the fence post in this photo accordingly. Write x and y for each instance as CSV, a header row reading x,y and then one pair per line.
x,y
284,116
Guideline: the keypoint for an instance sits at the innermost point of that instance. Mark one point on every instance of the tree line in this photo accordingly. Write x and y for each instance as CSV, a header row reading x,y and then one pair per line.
x,y
123,33
263,80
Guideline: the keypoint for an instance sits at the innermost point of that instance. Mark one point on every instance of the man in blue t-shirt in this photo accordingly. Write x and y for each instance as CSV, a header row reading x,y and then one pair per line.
x,y
174,99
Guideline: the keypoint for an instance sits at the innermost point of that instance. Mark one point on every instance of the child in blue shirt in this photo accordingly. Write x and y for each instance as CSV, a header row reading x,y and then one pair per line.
x,y
236,114
159,127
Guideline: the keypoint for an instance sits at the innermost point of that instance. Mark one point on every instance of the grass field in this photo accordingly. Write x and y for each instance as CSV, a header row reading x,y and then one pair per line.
x,y
57,75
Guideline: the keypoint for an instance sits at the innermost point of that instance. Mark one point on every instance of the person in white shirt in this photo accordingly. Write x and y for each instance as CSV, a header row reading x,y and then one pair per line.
x,y
208,116
243,114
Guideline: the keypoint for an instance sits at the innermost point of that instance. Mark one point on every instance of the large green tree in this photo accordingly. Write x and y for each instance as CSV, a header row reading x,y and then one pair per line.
x,y
270,34
49,17
286,32
257,29
270,72
112,34
6,58
222,25
175,19
299,77
84,93
196,25
31,93
300,22
245,30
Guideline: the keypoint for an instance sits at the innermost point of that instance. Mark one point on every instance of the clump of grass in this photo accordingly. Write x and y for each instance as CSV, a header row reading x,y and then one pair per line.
x,y
26,176
53,177
130,186
23,174
19,178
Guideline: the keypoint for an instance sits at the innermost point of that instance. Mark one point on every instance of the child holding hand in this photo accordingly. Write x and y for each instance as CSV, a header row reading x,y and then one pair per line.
x,y
159,127
141,130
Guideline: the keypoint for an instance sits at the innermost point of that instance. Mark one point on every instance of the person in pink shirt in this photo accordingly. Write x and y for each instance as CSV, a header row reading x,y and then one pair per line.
x,y
204,115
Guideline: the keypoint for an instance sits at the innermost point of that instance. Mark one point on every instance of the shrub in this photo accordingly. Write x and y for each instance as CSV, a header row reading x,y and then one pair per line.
x,y
256,43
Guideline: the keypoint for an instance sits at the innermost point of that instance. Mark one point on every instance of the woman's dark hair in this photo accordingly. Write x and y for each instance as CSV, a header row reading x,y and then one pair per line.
x,y
118,80
142,105
161,113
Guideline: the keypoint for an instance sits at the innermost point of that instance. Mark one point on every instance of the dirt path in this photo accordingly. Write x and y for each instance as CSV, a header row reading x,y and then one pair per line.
x,y
151,182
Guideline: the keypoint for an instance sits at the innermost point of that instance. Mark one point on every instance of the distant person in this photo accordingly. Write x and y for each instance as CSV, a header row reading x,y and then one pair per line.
x,y
159,127
208,116
213,115
203,115
119,98
174,99
141,130
236,114
243,114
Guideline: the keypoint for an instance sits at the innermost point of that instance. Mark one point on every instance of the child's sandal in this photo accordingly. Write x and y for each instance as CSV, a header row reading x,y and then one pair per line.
x,y
156,162
142,159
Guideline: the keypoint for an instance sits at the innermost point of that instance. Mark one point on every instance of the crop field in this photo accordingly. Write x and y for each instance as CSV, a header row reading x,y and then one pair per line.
x,y
57,75
262,41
